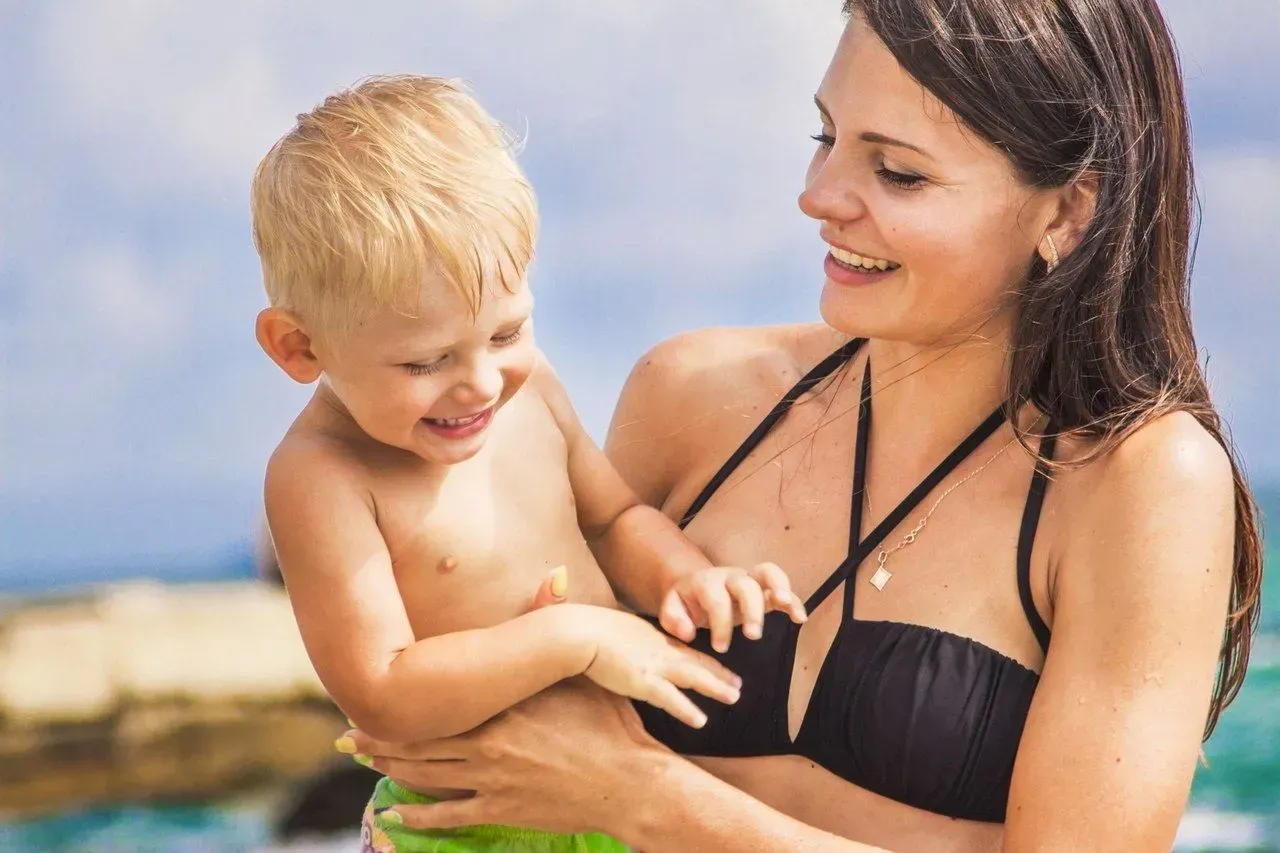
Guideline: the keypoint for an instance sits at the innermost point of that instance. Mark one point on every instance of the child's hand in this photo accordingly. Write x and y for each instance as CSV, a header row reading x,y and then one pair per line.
x,y
635,659
723,596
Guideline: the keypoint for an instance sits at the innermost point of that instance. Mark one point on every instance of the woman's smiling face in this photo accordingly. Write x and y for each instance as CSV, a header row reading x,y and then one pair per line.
x,y
900,186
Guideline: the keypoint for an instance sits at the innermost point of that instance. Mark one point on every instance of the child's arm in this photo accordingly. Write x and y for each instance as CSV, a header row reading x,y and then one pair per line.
x,y
355,629
640,550
650,563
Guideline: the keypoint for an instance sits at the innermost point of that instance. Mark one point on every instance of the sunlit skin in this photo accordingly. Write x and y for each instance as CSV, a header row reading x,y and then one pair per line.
x,y
437,490
395,372
1130,566
896,176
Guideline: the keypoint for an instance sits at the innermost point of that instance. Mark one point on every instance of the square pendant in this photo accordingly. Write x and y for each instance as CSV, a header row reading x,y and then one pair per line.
x,y
880,578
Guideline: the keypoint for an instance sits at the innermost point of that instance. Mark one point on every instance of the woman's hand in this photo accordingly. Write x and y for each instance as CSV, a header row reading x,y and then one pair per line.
x,y
565,760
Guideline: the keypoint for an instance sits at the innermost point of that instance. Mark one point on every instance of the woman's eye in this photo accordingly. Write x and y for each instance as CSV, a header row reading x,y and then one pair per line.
x,y
823,139
899,179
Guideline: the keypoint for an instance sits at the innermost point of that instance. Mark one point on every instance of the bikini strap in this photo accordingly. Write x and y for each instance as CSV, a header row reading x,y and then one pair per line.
x,y
821,371
859,549
1027,536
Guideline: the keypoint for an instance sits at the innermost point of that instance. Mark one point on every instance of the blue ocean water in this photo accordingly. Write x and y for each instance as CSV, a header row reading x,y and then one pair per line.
x,y
1235,801
192,829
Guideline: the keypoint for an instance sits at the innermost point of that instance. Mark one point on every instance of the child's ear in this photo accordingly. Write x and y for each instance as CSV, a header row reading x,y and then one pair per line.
x,y
288,344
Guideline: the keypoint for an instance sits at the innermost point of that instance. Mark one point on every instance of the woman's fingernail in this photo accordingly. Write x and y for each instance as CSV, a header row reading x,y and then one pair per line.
x,y
782,597
345,745
392,817
351,724
753,632
363,760
559,581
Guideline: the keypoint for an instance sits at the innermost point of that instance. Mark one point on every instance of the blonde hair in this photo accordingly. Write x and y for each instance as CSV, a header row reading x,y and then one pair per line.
x,y
381,187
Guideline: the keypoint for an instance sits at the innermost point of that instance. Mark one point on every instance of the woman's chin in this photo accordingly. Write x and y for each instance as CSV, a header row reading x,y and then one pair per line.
x,y
858,315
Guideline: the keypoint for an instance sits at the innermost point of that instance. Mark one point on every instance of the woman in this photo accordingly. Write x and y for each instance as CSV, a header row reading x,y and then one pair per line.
x,y
997,470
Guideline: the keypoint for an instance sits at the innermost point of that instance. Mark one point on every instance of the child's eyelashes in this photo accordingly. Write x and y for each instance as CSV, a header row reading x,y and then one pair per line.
x,y
506,339
425,369
509,338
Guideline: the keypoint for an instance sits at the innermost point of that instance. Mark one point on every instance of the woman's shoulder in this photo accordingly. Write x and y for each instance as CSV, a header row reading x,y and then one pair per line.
x,y
691,394
710,364
1172,452
1169,478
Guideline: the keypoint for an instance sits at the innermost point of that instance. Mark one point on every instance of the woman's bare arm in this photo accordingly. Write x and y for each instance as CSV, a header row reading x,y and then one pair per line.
x,y
1140,606
576,759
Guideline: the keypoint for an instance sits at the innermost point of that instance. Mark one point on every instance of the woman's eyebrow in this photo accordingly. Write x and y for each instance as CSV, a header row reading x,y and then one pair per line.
x,y
881,139
822,109
870,135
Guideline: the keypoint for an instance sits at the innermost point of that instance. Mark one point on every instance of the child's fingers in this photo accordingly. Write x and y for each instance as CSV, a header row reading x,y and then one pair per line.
x,y
674,617
689,675
716,603
710,664
665,695
749,597
777,585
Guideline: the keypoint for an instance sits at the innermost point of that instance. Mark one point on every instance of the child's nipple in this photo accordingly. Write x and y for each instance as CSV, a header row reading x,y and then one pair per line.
x,y
447,565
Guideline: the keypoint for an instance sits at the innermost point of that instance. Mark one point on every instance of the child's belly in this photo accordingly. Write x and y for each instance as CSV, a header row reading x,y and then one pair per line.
x,y
460,592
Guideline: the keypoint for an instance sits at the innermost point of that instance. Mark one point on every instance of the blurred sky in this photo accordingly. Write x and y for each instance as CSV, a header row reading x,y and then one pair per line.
x,y
667,139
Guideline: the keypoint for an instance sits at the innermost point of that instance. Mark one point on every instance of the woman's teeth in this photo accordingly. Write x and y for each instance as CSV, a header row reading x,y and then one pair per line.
x,y
850,259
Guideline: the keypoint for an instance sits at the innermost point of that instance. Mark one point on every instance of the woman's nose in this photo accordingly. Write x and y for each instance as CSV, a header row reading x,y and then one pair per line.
x,y
831,192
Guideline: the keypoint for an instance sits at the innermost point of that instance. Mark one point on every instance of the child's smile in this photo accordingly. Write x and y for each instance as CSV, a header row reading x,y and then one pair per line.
x,y
456,428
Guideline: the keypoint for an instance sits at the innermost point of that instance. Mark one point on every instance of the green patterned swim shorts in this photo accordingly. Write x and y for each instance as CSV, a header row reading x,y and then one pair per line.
x,y
377,836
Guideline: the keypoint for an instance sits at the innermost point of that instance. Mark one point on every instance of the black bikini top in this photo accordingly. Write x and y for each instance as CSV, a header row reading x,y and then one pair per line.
x,y
920,715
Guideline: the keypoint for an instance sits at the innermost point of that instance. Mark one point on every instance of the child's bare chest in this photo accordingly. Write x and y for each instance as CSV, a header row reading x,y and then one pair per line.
x,y
471,547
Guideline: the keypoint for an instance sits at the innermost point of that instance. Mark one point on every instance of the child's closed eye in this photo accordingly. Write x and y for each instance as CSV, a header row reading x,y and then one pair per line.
x,y
506,339
425,369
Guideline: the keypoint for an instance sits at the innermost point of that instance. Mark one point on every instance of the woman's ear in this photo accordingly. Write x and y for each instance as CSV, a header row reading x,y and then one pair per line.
x,y
1077,203
284,340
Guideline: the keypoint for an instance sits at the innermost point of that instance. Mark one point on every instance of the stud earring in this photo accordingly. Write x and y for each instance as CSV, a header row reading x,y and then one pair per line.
x,y
1054,258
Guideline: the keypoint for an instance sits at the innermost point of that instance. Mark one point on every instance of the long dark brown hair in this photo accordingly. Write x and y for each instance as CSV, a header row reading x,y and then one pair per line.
x,y
1102,344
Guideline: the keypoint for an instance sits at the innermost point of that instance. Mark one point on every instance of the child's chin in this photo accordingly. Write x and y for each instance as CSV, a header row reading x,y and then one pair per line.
x,y
454,452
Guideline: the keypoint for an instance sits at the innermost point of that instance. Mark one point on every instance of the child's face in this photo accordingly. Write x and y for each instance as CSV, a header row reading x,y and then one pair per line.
x,y
431,384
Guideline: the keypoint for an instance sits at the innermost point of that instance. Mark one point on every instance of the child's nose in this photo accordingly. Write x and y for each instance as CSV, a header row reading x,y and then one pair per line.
x,y
484,382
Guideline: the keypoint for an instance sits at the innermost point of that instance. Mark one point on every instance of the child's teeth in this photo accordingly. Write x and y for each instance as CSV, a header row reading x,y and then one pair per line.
x,y
451,422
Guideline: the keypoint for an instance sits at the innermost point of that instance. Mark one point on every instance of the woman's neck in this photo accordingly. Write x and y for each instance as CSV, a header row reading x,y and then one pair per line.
x,y
926,399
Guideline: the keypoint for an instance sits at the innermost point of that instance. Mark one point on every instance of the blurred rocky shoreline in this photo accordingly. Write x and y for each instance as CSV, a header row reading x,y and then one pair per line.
x,y
145,692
